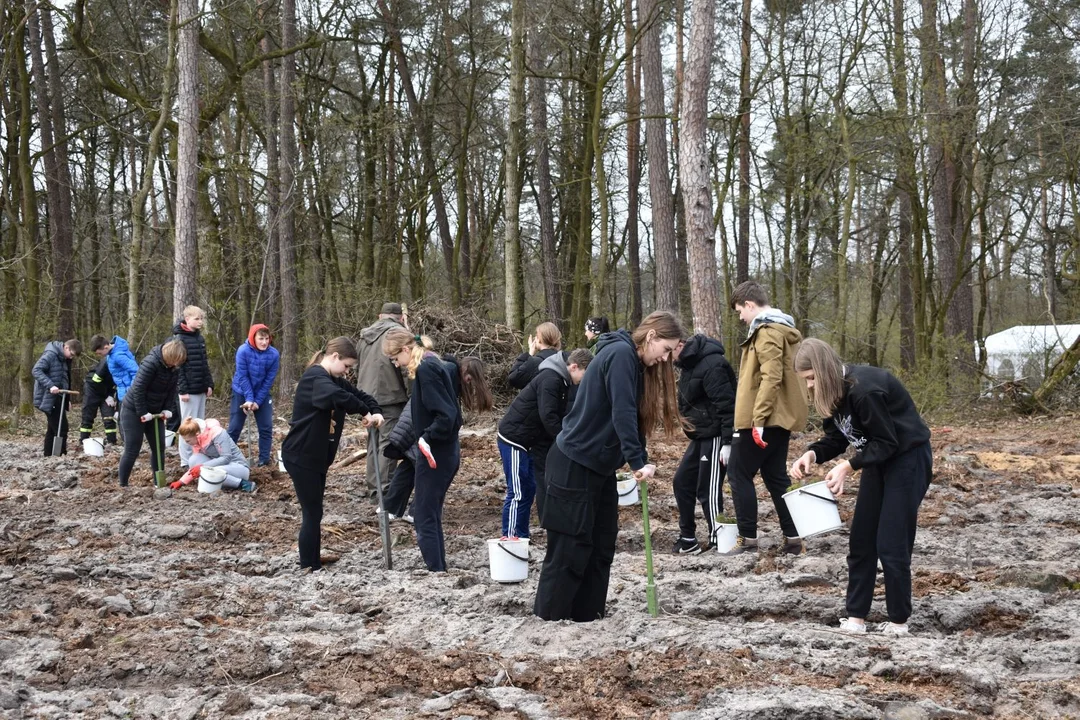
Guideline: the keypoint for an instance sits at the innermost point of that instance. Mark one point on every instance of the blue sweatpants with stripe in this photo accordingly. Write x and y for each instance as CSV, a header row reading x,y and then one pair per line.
x,y
520,489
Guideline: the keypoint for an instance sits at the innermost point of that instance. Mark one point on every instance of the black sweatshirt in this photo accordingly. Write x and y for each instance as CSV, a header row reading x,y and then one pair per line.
x,y
526,366
435,410
602,432
318,418
876,416
99,381
536,415
707,389
154,386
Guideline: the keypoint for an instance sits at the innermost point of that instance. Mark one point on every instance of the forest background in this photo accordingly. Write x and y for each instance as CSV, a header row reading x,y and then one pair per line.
x,y
902,177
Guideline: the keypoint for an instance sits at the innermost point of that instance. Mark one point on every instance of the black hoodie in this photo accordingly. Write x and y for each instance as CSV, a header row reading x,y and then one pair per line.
x,y
526,366
876,416
706,389
602,432
536,415
318,418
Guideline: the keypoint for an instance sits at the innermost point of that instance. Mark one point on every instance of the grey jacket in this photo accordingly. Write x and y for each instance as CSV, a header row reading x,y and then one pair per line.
x,y
376,375
52,368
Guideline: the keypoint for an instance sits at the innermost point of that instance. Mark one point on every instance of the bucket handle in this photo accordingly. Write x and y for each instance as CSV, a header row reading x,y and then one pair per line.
x,y
512,554
632,488
819,497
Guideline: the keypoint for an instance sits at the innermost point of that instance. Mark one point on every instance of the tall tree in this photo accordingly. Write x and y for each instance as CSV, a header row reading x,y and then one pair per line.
x,y
742,241
694,172
633,163
542,192
515,290
287,212
186,249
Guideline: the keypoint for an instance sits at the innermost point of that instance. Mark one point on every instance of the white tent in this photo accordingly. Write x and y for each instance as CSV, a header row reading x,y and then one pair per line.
x,y
1027,350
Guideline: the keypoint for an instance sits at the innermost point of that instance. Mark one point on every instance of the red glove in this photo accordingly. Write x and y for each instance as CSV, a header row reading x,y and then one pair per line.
x,y
176,485
194,471
757,433
425,450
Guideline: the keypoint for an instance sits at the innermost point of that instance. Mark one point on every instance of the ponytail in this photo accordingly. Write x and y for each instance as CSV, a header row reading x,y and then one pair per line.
x,y
343,346
397,339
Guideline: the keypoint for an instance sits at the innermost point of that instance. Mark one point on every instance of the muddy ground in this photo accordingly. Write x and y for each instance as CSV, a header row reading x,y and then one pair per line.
x,y
153,604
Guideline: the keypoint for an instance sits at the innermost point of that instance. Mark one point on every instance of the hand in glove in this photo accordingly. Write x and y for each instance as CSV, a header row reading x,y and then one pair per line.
x,y
110,401
425,450
177,485
725,455
194,471
758,434
166,414
146,418
646,472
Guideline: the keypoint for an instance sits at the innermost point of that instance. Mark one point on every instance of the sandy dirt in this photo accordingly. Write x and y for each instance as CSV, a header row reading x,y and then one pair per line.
x,y
139,603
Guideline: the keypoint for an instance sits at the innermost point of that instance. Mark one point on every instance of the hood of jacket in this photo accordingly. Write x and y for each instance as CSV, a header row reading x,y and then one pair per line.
x,y
696,348
376,330
255,329
120,344
769,316
558,364
614,337
208,430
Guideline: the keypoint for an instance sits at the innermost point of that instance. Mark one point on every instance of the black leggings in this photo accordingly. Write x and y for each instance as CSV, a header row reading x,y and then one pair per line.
x,y
134,431
310,486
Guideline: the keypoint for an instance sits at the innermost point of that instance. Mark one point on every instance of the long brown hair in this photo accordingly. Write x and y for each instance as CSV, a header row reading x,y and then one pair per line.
x,y
660,400
475,391
828,390
343,346
549,334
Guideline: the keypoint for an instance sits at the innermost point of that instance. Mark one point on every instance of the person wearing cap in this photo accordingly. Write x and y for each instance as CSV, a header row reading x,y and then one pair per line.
x,y
379,377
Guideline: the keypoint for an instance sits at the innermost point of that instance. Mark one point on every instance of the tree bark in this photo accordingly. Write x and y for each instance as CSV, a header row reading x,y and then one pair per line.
x,y
911,277
185,252
742,242
287,212
694,172
538,100
28,228
633,163
269,282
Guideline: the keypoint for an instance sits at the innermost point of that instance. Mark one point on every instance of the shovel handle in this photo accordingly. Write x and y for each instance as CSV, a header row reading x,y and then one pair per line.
x,y
67,392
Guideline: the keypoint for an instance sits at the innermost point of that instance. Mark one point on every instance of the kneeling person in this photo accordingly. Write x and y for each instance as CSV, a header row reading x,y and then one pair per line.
x,y
211,447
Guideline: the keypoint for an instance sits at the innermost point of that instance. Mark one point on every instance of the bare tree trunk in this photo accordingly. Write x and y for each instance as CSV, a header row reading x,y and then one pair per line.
x,y
742,242
185,253
514,290
910,275
27,234
268,308
695,175
542,173
633,164
287,214
663,205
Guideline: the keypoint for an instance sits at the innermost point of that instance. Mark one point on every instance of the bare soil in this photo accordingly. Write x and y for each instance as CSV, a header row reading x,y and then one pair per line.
x,y
151,603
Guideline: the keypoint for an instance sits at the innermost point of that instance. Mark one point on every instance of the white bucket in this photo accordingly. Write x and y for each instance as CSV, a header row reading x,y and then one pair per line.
x,y
211,479
509,560
628,491
726,536
814,509
93,448
169,436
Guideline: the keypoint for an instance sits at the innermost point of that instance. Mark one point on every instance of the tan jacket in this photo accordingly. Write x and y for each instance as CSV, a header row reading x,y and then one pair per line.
x,y
770,393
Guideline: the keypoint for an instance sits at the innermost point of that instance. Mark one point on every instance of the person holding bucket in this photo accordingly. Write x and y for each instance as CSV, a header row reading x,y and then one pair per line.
x,y
212,447
144,408
628,389
323,398
869,409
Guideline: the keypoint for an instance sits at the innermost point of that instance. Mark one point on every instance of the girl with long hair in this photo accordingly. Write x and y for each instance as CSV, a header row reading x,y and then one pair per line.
x,y
628,390
869,409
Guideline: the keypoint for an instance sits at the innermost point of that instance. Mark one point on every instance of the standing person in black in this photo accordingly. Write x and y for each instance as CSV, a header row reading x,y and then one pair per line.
x,y
98,391
707,401
52,373
196,383
436,417
546,342
150,394
869,409
323,398
628,389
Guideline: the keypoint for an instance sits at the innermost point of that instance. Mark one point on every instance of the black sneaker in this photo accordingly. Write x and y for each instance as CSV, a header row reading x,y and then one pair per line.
x,y
686,547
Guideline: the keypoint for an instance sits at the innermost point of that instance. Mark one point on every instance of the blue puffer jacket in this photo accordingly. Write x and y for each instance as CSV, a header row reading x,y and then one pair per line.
x,y
255,369
122,366
52,368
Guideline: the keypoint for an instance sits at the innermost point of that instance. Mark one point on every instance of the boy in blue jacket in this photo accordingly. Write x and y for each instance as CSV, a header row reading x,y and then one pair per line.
x,y
256,369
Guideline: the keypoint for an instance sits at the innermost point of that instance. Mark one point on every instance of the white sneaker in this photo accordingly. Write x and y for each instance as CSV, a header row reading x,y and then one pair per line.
x,y
848,625
894,629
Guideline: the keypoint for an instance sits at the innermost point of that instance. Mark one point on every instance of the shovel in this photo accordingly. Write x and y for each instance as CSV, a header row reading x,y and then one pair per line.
x,y
159,473
384,519
247,436
650,581
58,439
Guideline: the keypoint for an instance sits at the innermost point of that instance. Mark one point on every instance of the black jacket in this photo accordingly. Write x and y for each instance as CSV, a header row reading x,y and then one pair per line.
x,y
195,375
526,366
154,386
99,381
402,440
535,417
436,413
318,418
707,389
876,416
602,432
52,368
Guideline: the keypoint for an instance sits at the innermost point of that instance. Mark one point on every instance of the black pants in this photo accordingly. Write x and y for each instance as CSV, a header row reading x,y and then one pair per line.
x,y
538,456
134,431
310,486
92,402
396,499
746,459
57,425
700,478
431,487
883,527
581,515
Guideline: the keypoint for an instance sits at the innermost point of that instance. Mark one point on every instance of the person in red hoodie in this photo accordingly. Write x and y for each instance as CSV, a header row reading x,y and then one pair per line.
x,y
257,363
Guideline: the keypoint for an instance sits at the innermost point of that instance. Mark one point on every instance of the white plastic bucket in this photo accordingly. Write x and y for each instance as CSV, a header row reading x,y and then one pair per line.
x,y
93,447
726,536
628,491
509,560
169,436
211,479
814,509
